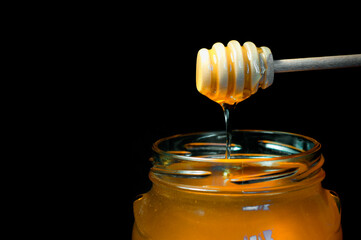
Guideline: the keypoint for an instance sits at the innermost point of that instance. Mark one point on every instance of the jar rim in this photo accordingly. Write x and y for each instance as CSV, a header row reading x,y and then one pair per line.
x,y
301,154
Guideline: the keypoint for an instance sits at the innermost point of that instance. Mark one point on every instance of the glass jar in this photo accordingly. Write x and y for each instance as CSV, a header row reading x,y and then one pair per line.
x,y
270,189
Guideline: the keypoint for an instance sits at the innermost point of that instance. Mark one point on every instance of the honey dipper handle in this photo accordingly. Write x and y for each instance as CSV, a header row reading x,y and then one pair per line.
x,y
316,63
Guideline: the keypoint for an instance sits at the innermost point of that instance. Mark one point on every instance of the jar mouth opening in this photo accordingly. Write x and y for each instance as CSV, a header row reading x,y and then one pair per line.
x,y
209,147
261,161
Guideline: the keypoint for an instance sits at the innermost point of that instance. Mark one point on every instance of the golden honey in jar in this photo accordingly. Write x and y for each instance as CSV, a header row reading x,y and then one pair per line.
x,y
269,189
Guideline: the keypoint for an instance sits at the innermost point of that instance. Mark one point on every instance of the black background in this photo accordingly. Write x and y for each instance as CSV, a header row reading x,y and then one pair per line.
x,y
158,98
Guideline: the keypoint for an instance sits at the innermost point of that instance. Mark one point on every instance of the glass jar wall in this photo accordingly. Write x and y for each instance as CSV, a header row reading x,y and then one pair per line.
x,y
270,189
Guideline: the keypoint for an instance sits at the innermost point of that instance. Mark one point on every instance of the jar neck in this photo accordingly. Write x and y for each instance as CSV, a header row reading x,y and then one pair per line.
x,y
261,162
173,192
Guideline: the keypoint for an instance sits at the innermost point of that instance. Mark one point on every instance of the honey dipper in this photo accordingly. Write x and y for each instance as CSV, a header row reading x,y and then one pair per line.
x,y
233,73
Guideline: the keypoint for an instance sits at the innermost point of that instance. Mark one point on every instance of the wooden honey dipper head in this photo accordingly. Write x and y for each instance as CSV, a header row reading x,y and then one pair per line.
x,y
233,73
